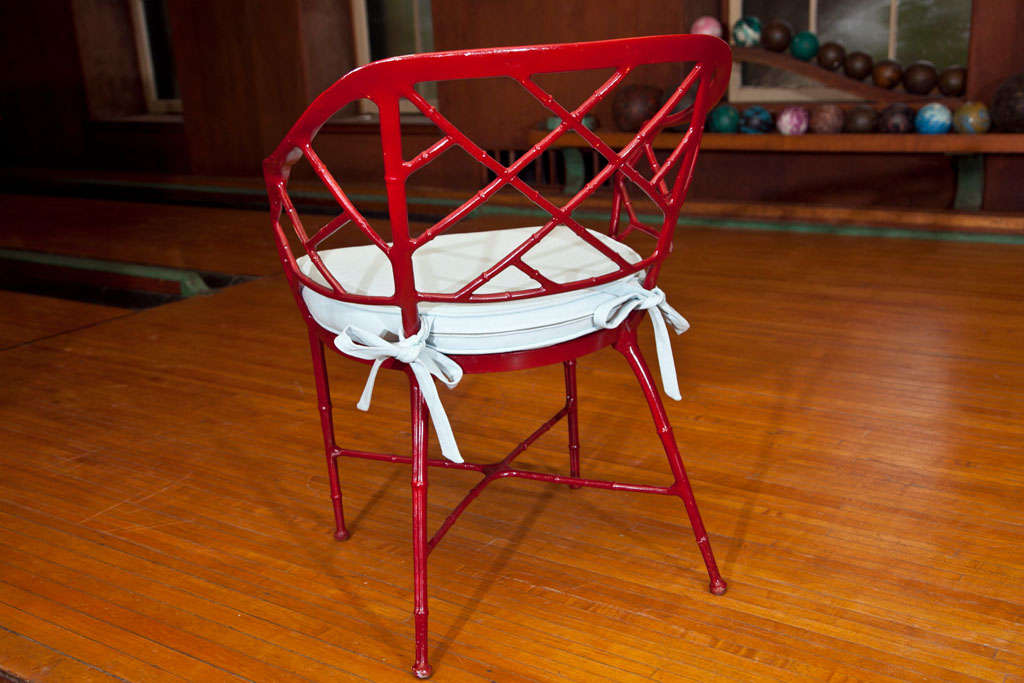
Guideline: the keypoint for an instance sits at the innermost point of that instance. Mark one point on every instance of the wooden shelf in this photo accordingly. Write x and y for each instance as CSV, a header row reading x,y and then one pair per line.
x,y
836,79
911,143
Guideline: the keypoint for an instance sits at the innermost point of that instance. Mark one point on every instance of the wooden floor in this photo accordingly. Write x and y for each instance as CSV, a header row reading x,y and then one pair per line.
x,y
851,420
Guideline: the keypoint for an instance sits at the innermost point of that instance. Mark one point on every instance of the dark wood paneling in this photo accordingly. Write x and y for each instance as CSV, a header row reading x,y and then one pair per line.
x,y
996,52
240,70
42,94
526,22
158,146
903,180
1003,185
329,55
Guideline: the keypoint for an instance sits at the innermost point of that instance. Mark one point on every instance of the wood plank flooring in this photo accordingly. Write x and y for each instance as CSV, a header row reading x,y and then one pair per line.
x,y
851,421
27,317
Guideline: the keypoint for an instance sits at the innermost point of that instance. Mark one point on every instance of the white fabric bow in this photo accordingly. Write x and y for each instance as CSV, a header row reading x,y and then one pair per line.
x,y
421,359
611,314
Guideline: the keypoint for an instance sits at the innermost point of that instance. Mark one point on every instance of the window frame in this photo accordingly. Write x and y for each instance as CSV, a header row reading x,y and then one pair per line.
x,y
143,51
361,44
752,93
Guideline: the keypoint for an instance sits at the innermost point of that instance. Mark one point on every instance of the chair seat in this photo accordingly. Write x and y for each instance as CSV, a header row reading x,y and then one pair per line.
x,y
448,262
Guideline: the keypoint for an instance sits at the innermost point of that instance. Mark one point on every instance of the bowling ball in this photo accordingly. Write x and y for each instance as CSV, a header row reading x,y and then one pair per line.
x,y
746,32
972,118
860,119
724,118
920,77
634,104
887,74
827,118
804,46
756,120
776,35
707,25
858,65
831,56
933,119
1008,105
953,81
792,121
896,118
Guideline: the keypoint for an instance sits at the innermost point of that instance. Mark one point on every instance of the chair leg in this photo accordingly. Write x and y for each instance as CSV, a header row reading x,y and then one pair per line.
x,y
571,415
628,347
421,668
323,393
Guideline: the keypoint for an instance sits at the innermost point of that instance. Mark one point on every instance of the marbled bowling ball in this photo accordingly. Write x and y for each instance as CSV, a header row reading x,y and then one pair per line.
x,y
972,118
804,46
933,119
827,118
858,65
887,74
920,77
708,26
756,120
953,81
860,119
634,104
831,56
1008,105
896,118
746,32
724,118
776,35
792,121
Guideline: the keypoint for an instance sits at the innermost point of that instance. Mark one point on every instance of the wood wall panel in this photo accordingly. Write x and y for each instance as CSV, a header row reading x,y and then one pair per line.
x,y
248,68
158,146
329,55
996,52
901,180
242,79
42,95
526,22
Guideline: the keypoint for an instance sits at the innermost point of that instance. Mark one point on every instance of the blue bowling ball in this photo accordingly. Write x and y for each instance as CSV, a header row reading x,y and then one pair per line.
x,y
933,119
756,120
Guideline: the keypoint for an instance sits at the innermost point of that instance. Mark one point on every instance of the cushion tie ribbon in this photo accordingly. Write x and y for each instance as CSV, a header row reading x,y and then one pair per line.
x,y
612,313
423,360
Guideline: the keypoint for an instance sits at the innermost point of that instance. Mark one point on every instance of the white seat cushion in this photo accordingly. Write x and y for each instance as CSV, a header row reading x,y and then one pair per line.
x,y
448,262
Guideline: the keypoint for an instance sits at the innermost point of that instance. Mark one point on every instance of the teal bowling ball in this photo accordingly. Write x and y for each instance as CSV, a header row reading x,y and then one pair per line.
x,y
724,118
804,46
746,32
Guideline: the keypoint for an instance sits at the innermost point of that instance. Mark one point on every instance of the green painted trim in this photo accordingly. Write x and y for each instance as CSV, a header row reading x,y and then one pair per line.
x,y
692,221
574,171
970,181
190,282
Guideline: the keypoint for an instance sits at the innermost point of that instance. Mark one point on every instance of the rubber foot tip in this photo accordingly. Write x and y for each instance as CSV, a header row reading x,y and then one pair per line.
x,y
341,535
718,587
425,671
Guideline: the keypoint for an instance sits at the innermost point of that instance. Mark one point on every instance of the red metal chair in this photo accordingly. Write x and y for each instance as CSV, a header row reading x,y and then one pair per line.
x,y
408,304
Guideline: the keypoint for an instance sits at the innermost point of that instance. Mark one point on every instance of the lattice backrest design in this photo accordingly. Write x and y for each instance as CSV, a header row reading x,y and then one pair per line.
x,y
663,181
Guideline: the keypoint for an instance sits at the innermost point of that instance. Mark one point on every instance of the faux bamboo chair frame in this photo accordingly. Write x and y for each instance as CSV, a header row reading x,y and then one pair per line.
x,y
635,165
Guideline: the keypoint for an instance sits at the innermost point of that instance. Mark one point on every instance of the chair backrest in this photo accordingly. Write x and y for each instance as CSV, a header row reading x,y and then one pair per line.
x,y
635,164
